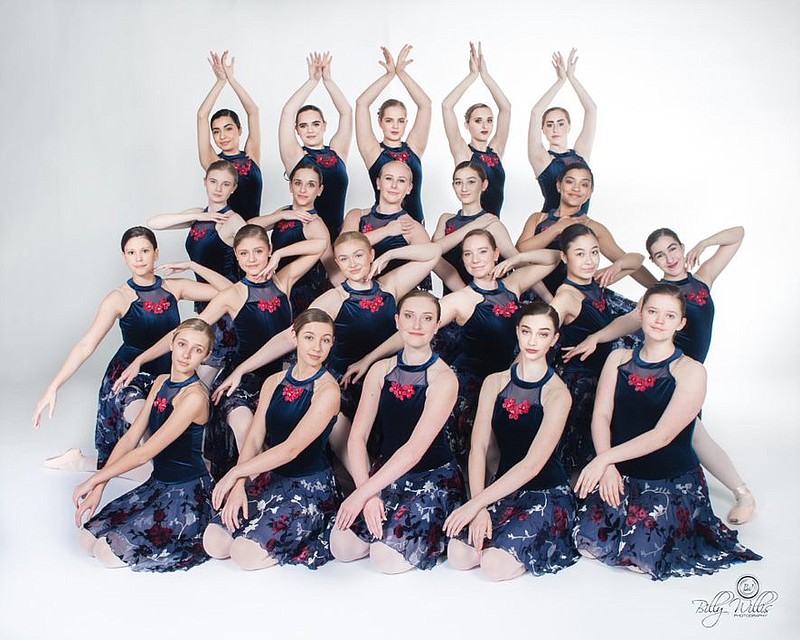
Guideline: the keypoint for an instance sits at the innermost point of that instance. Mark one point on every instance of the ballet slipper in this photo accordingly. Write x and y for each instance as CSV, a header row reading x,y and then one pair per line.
x,y
71,460
744,507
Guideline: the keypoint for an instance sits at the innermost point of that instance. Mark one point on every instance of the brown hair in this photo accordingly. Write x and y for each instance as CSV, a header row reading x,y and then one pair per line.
x,y
420,293
539,309
391,102
250,231
551,109
468,164
311,315
657,235
224,165
196,324
308,107
471,110
483,233
666,289
138,232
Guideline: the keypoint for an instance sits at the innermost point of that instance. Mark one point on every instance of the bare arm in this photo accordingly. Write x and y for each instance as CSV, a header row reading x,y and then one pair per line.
x,y
340,142
290,150
621,326
537,154
585,140
417,138
363,421
458,147
181,220
204,149
503,123
252,146
623,264
727,243
368,145
422,259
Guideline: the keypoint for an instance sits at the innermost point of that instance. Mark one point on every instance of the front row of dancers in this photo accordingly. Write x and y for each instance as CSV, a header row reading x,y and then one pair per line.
x,y
643,501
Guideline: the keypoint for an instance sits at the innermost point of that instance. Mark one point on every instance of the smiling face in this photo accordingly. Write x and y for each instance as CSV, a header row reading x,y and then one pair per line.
x,y
536,334
226,134
555,126
392,122
189,348
662,316
417,320
582,258
252,254
479,256
220,184
314,342
468,186
394,183
310,127
140,256
305,187
575,187
480,124
354,259
668,254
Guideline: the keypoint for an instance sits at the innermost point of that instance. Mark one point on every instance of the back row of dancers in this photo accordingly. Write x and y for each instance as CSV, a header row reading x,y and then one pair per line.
x,y
403,389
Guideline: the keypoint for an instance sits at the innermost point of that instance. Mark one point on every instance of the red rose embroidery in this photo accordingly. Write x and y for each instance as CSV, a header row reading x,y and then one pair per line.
x,y
400,156
639,383
599,304
699,297
401,391
290,393
243,167
506,311
449,228
327,160
197,234
372,305
156,307
160,404
283,225
489,161
366,228
269,305
516,410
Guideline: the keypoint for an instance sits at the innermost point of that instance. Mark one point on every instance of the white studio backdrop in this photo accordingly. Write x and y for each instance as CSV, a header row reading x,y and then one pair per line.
x,y
697,130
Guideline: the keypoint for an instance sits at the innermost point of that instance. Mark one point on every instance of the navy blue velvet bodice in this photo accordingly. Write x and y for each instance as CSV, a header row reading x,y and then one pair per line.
x,y
330,203
266,313
246,200
150,317
375,220
205,247
364,321
454,255
288,405
547,178
488,338
401,404
555,278
182,459
492,198
695,338
595,314
644,389
516,419
413,201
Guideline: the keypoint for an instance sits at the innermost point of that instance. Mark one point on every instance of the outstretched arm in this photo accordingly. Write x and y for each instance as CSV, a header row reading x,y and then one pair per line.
x,y
204,148
727,243
253,145
417,138
585,140
621,326
340,142
422,259
537,154
458,147
290,150
184,219
503,123
368,145
623,264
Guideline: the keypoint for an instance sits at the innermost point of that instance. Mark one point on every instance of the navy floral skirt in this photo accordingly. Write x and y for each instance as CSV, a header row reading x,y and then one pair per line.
x,y
459,426
225,341
157,526
664,528
310,287
535,526
110,424
576,449
417,505
446,342
291,517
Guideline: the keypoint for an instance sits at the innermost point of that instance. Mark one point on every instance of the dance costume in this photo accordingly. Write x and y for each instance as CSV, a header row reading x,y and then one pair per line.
x,y
492,198
555,278
405,154
205,247
374,220
365,320
266,313
158,526
330,203
487,345
664,525
293,507
150,317
418,502
246,199
547,179
534,523
695,338
313,283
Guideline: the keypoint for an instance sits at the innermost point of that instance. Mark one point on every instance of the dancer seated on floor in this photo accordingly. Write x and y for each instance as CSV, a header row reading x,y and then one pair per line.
x,y
648,507
523,520
284,515
396,513
147,309
158,526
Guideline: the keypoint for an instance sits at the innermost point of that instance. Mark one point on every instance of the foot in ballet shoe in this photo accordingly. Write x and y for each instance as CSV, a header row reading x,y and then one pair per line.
x,y
71,460
744,507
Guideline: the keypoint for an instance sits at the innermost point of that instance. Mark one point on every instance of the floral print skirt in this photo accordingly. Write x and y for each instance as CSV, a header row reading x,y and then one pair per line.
x,y
446,342
157,526
459,426
664,528
576,449
291,517
417,505
535,526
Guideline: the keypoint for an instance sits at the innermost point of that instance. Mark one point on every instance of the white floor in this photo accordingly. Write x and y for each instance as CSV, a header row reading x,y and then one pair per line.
x,y
49,589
